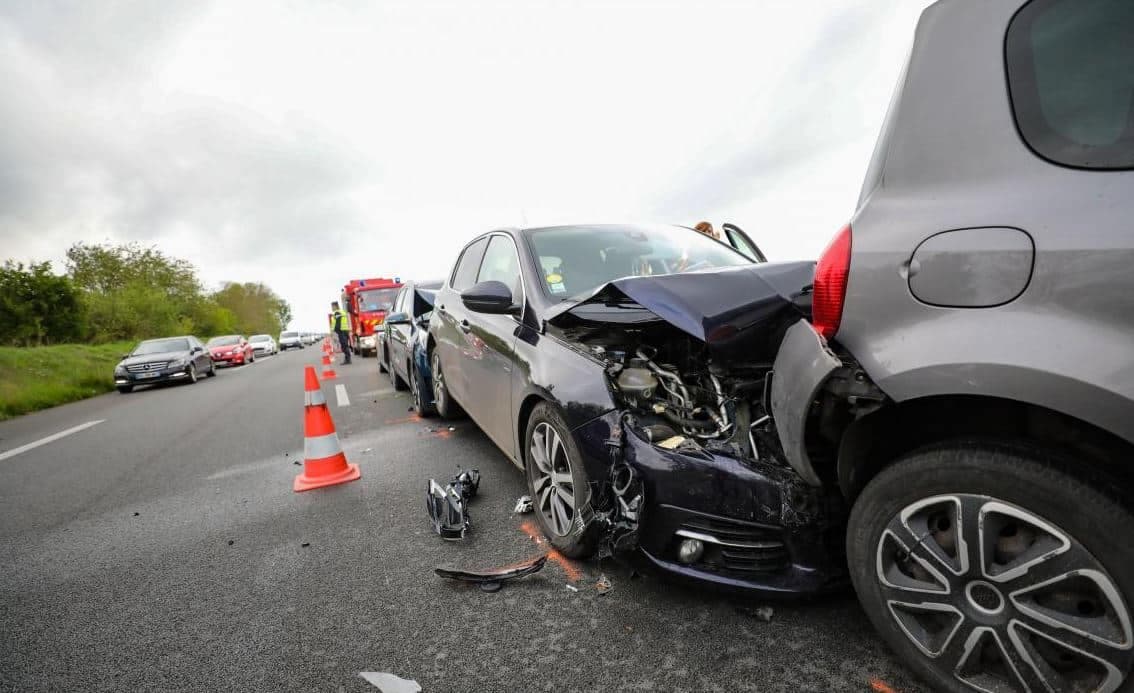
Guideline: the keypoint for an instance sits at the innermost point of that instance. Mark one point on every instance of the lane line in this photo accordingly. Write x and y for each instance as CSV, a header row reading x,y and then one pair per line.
x,y
341,395
49,439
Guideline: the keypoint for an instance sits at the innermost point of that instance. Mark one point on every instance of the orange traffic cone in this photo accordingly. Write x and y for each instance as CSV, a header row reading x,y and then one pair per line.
x,y
328,372
324,463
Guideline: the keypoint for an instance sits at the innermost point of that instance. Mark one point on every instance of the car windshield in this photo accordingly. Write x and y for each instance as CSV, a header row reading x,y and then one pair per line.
x,y
259,338
228,340
377,299
161,346
577,259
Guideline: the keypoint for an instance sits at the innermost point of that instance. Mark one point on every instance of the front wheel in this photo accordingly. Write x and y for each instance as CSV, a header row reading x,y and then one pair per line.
x,y
212,370
125,389
420,407
442,402
989,568
558,483
192,373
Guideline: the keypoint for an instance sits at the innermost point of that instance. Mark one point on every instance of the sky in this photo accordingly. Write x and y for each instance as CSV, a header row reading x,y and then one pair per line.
x,y
303,144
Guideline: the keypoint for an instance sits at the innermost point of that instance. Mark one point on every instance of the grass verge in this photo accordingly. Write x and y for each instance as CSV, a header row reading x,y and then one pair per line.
x,y
41,377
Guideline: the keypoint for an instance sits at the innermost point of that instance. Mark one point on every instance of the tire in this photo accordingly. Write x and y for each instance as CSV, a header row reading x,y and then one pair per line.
x,y
1040,524
192,373
558,483
251,358
447,407
419,406
212,370
382,367
125,389
395,379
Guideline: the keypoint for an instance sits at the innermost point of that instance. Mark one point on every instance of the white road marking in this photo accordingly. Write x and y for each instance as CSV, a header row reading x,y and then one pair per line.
x,y
49,439
375,393
341,395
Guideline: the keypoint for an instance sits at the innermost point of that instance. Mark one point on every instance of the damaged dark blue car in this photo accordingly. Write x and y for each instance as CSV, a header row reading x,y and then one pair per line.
x,y
626,370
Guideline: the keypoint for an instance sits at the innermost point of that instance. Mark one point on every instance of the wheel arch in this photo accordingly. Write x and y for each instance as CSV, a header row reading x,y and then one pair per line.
x,y
523,416
873,442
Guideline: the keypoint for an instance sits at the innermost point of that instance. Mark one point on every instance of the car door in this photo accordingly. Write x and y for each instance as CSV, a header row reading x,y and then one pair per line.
x,y
201,358
398,336
451,332
491,344
735,237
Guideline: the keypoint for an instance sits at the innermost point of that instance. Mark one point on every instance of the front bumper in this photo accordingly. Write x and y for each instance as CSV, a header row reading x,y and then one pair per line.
x,y
761,527
233,360
166,375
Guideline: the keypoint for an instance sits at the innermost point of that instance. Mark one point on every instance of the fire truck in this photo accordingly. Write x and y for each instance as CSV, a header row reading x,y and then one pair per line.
x,y
366,302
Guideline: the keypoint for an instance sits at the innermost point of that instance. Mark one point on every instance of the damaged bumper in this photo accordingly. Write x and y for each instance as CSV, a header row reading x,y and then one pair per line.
x,y
741,525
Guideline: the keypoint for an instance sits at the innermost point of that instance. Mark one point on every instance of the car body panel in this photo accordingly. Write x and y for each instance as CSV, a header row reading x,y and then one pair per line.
x,y
1076,316
401,347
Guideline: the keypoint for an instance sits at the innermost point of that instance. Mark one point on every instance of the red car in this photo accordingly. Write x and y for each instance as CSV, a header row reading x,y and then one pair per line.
x,y
230,350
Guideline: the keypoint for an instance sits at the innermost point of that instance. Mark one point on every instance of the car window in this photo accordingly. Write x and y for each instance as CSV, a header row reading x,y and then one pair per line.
x,y
464,274
502,264
1071,78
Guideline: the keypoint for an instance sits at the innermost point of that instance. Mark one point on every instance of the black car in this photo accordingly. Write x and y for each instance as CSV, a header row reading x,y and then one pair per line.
x,y
171,359
401,342
626,370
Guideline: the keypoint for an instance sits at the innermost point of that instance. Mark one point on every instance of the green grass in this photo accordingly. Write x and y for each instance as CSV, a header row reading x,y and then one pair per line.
x,y
41,377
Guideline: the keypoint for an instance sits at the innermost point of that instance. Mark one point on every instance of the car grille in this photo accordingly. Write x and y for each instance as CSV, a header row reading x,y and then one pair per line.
x,y
739,547
147,367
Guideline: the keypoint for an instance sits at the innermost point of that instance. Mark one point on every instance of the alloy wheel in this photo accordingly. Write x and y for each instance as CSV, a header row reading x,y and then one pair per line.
x,y
439,394
552,482
414,391
192,373
1001,599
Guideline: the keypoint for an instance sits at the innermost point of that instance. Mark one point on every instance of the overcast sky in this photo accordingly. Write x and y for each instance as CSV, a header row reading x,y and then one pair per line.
x,y
306,143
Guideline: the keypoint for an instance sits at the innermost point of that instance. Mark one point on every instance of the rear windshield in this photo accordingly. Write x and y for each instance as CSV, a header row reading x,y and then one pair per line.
x,y
162,346
223,341
1071,77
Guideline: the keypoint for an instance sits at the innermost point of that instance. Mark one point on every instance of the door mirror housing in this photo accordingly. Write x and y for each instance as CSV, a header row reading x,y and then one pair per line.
x,y
196,350
490,297
397,319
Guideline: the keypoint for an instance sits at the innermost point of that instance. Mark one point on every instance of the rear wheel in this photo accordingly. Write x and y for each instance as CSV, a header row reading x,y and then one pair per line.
x,y
382,361
988,568
446,407
558,483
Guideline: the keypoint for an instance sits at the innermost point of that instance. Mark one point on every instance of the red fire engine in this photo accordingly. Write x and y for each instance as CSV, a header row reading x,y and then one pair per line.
x,y
366,302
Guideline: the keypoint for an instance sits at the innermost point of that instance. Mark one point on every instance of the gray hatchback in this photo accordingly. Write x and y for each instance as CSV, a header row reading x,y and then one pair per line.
x,y
967,380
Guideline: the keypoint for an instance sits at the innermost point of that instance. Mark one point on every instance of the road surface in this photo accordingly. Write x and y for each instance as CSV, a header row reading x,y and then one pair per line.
x,y
159,546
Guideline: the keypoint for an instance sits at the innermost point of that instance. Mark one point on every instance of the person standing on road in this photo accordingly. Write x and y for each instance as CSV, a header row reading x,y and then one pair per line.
x,y
339,325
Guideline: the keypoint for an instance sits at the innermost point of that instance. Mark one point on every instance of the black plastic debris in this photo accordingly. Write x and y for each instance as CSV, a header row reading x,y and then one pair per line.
x,y
305,544
492,580
136,514
231,542
448,505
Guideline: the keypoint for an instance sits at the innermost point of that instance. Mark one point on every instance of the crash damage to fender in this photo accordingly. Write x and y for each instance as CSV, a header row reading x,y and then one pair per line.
x,y
698,478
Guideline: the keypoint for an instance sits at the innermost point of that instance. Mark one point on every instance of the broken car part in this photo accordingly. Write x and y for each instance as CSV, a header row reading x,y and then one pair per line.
x,y
523,505
490,580
448,505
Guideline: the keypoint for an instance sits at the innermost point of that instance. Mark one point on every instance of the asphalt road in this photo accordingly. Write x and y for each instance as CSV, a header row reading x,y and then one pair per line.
x,y
164,549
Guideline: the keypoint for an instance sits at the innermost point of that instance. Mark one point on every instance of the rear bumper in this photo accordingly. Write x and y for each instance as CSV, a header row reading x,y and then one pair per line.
x,y
802,365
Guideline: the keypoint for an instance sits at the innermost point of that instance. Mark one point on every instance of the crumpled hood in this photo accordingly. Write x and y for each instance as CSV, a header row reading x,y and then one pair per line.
x,y
150,358
730,309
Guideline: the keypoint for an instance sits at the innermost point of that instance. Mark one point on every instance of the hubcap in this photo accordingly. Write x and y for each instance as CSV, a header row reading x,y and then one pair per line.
x,y
1001,599
552,483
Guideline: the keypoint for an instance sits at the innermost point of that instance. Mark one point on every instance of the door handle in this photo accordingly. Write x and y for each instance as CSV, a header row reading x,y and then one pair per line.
x,y
465,326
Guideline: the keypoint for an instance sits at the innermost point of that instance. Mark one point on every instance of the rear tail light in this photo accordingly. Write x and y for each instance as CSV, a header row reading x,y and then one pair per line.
x,y
831,284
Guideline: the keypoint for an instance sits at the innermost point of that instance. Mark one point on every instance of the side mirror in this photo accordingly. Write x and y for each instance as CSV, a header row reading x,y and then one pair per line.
x,y
398,319
196,350
491,297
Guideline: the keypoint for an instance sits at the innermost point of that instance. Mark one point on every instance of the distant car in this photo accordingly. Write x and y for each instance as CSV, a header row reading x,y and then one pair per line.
x,y
230,350
402,341
290,340
263,344
163,360
307,338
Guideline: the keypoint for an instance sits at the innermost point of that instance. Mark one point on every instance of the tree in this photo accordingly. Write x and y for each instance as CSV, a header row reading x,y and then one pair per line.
x,y
257,308
37,306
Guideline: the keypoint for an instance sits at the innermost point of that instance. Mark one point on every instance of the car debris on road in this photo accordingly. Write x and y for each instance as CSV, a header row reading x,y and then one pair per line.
x,y
523,505
389,683
492,580
448,506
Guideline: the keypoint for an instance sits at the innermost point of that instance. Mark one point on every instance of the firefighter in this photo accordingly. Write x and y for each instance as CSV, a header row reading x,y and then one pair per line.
x,y
339,325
